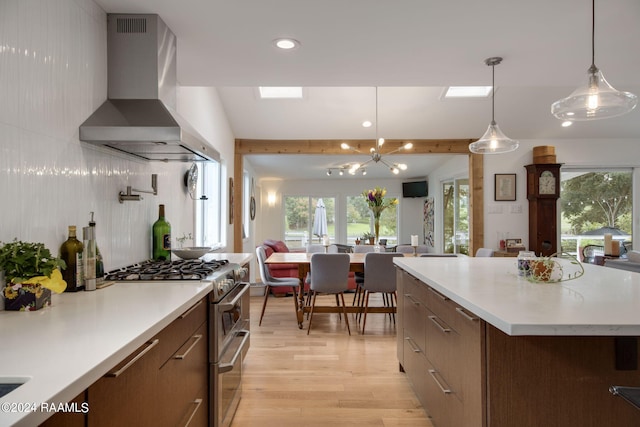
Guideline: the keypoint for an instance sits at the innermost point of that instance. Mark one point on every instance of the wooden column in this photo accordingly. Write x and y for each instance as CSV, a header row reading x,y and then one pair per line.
x,y
237,201
476,202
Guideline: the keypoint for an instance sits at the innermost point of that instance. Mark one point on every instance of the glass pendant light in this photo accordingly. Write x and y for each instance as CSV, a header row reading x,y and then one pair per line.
x,y
597,99
493,141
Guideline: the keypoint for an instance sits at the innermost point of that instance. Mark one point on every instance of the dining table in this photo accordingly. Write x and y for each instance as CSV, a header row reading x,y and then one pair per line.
x,y
303,262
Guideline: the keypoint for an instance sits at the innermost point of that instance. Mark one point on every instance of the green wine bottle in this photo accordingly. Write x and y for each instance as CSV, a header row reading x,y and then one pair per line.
x,y
161,237
71,254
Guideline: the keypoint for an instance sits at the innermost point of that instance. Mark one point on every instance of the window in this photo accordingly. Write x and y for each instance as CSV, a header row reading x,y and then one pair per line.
x,y
360,221
208,213
455,197
300,213
593,203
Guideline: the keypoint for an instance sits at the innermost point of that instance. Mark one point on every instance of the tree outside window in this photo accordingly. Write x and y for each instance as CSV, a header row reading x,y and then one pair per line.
x,y
360,221
591,200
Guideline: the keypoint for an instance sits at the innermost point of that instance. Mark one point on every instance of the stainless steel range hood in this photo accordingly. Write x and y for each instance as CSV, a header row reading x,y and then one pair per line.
x,y
139,115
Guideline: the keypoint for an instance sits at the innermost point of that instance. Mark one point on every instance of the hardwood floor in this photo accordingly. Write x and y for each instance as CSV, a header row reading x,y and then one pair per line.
x,y
327,378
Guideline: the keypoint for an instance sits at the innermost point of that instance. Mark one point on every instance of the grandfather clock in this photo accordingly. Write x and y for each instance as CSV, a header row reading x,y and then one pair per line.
x,y
543,191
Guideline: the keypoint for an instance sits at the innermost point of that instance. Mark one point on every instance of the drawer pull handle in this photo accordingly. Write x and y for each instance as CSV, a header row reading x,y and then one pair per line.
x,y
413,345
412,299
434,319
150,345
196,339
433,373
439,295
465,315
196,402
191,310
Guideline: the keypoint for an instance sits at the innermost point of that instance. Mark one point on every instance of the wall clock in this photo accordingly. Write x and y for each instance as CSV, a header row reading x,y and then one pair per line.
x,y
543,191
252,203
191,180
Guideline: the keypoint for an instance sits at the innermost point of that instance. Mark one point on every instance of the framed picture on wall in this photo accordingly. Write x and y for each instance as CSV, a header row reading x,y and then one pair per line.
x,y
505,187
230,201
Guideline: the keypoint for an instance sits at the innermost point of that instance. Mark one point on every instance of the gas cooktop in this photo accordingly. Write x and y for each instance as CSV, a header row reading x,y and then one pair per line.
x,y
191,269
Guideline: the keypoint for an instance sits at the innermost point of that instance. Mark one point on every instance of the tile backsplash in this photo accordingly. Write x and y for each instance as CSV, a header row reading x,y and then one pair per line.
x,y
52,77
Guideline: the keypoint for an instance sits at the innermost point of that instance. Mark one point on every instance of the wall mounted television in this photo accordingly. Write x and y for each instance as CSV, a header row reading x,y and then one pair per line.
x,y
415,189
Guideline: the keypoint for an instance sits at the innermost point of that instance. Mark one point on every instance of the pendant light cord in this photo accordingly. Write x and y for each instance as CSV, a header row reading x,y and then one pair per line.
x,y
593,33
377,143
493,94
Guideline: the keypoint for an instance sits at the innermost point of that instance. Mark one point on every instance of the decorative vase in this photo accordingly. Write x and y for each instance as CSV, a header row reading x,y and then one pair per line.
x,y
376,226
26,298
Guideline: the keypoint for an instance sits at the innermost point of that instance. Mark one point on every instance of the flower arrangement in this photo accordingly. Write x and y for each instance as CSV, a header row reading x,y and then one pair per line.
x,y
377,203
31,273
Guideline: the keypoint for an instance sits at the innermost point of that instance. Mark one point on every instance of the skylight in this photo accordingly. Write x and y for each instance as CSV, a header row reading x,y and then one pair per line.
x,y
467,92
281,92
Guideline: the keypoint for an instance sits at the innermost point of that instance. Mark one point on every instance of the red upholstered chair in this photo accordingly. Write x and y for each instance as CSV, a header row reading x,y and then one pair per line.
x,y
279,270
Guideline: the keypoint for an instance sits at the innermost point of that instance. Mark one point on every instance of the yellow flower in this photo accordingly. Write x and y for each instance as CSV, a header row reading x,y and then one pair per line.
x,y
10,293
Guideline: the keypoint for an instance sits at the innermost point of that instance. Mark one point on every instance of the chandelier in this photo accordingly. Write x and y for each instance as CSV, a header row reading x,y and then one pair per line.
x,y
375,153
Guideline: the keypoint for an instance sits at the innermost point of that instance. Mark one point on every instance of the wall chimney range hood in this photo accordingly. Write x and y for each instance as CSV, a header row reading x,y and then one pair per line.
x,y
139,116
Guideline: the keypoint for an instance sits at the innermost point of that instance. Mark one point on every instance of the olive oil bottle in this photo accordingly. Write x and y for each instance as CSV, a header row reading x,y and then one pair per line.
x,y
71,254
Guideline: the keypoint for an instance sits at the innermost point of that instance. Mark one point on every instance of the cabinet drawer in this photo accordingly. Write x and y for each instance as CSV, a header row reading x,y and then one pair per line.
x,y
415,368
183,377
128,394
443,406
413,317
441,305
180,330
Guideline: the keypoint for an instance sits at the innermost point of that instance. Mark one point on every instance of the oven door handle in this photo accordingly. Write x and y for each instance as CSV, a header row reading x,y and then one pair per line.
x,y
226,367
227,306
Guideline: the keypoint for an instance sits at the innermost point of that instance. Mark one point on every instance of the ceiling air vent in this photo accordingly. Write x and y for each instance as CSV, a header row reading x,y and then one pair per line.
x,y
131,25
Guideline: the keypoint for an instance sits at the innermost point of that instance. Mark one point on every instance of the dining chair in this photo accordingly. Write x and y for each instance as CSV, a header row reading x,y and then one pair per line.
x,y
329,275
484,252
380,277
358,275
274,282
316,248
590,252
408,249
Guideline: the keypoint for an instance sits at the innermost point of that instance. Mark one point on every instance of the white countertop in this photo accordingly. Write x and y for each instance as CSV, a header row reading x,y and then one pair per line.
x,y
64,348
604,301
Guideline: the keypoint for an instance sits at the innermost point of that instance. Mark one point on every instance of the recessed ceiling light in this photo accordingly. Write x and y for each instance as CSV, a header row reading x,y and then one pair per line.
x,y
280,92
366,124
286,44
468,92
567,123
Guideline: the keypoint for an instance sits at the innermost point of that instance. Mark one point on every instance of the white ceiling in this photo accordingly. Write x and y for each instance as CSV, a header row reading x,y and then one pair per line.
x,y
411,50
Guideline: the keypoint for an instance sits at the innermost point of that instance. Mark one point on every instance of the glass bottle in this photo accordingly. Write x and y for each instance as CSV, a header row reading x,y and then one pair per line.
x,y
161,237
524,262
71,254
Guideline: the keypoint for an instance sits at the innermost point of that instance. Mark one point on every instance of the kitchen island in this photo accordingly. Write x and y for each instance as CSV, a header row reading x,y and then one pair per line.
x,y
485,347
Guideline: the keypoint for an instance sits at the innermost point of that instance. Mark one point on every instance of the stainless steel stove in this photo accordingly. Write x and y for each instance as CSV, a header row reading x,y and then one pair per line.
x,y
229,330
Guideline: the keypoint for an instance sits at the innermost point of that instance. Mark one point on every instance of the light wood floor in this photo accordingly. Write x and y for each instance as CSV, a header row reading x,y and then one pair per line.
x,y
327,378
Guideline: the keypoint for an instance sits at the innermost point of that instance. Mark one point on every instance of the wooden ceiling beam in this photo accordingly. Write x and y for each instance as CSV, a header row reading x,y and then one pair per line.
x,y
332,146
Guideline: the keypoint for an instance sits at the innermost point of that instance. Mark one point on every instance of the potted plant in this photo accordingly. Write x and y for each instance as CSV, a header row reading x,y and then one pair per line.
x,y
358,240
370,237
551,269
30,274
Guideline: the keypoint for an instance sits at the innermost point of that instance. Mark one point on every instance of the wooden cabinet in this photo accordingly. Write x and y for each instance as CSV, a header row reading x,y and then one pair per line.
x,y
163,383
441,353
